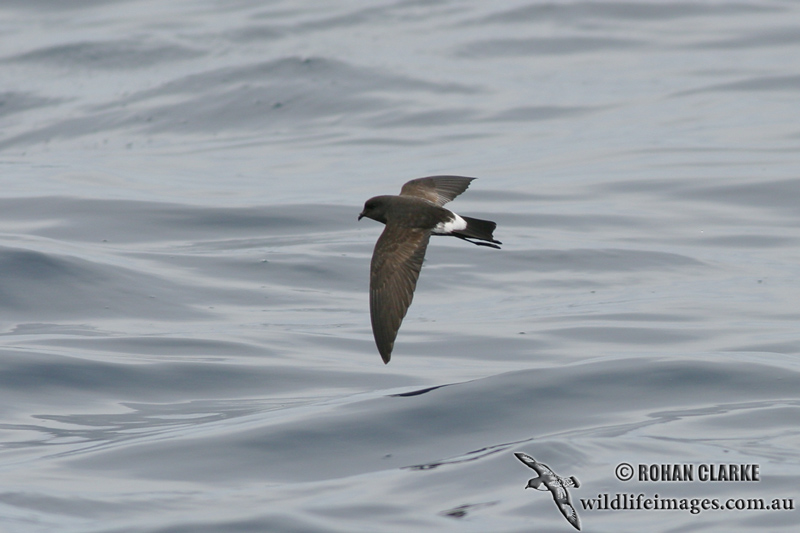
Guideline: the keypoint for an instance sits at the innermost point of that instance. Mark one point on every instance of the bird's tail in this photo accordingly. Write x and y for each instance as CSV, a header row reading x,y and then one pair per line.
x,y
478,229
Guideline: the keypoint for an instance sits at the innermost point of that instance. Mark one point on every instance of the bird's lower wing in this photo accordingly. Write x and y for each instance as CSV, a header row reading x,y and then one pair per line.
x,y
570,514
564,502
396,263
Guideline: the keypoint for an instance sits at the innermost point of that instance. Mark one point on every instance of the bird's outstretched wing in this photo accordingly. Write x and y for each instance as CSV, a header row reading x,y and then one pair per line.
x,y
396,263
436,189
541,468
525,458
568,510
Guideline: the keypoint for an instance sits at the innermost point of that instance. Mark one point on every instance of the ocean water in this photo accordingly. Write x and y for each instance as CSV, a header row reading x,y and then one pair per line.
x,y
185,342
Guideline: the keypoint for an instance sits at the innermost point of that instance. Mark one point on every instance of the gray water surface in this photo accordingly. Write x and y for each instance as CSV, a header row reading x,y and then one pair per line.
x,y
185,342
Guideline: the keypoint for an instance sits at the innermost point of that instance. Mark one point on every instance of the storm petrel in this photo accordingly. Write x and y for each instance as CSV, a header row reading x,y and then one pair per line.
x,y
557,485
411,218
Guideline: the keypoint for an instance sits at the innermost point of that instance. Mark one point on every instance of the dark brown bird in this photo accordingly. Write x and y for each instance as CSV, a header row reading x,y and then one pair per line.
x,y
411,218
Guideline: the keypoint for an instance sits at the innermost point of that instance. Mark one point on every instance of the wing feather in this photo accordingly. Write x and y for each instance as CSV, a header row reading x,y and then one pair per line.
x,y
571,515
396,263
436,189
569,512
526,459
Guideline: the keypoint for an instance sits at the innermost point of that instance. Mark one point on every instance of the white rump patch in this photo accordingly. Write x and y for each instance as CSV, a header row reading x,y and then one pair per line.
x,y
455,224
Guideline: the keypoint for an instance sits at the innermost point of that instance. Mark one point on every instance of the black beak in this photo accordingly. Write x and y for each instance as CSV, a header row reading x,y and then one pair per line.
x,y
360,216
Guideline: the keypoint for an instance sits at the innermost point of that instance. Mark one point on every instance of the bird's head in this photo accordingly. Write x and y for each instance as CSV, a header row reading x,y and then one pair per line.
x,y
535,483
374,208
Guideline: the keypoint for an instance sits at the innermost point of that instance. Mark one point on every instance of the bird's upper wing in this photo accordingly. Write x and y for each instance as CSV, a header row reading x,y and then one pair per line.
x,y
527,459
436,189
541,468
396,263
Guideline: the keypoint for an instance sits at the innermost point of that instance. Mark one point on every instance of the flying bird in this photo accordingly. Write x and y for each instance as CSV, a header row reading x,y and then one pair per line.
x,y
557,485
411,218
